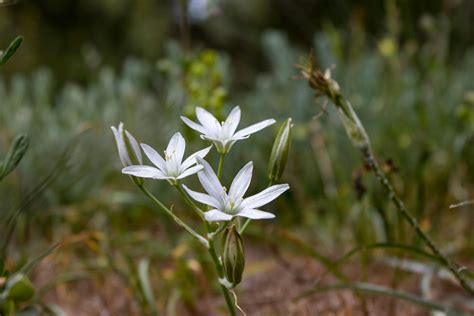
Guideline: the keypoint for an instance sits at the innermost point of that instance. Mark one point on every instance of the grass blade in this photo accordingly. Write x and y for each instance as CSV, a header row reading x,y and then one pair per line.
x,y
381,290
32,263
144,281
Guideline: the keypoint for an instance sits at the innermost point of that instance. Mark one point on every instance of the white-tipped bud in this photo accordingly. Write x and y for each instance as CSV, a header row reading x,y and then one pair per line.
x,y
128,148
280,150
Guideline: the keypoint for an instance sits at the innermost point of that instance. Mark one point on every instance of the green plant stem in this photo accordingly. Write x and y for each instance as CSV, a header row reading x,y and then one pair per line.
x,y
174,217
209,243
220,272
356,132
376,289
374,166
221,164
212,250
244,226
189,201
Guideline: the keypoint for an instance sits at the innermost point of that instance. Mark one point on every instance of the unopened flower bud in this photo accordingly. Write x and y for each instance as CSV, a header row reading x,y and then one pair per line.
x,y
280,150
128,149
233,255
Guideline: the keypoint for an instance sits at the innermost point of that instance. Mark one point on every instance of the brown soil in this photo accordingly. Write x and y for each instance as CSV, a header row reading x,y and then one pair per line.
x,y
270,287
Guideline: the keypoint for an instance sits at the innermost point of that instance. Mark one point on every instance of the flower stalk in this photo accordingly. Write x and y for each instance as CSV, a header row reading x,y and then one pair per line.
x,y
178,220
324,85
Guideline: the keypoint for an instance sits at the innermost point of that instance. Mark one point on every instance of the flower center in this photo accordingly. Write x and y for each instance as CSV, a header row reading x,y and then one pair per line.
x,y
168,156
172,165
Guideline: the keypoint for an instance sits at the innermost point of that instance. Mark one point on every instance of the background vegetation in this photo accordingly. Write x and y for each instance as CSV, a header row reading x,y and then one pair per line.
x,y
407,67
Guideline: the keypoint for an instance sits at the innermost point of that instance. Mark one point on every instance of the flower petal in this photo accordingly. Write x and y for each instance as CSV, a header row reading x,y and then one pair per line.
x,y
144,172
190,171
264,197
202,198
195,126
254,128
255,214
216,216
135,146
154,157
188,162
176,148
122,149
210,182
232,121
241,182
208,121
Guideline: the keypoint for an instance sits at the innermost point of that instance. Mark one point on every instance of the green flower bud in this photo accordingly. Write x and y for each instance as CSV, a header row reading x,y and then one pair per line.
x,y
19,288
233,255
280,150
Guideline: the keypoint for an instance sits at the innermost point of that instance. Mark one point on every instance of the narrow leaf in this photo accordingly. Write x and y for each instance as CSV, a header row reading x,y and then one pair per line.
x,y
32,263
145,284
12,48
381,290
15,154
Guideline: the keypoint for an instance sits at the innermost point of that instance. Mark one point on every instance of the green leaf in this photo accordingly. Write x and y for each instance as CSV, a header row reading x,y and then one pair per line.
x,y
14,155
32,263
388,246
381,290
145,284
19,288
12,48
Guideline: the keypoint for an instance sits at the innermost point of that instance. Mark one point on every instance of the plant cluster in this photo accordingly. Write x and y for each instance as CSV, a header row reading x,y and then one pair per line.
x,y
225,206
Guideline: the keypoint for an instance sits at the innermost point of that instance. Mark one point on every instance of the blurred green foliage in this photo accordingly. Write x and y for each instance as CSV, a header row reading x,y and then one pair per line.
x,y
406,66
88,34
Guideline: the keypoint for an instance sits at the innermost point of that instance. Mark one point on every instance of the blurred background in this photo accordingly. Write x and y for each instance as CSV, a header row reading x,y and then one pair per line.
x,y
89,34
407,67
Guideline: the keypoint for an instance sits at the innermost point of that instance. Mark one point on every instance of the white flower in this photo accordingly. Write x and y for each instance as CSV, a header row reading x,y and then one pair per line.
x,y
228,205
172,168
126,143
223,134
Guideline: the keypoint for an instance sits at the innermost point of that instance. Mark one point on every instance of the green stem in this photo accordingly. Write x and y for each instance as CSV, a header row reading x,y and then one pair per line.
x,y
220,273
376,289
221,164
323,84
219,230
244,226
372,163
189,201
174,217
212,250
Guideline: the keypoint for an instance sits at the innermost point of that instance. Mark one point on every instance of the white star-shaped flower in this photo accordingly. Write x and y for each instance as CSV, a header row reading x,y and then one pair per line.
x,y
225,205
223,135
172,167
